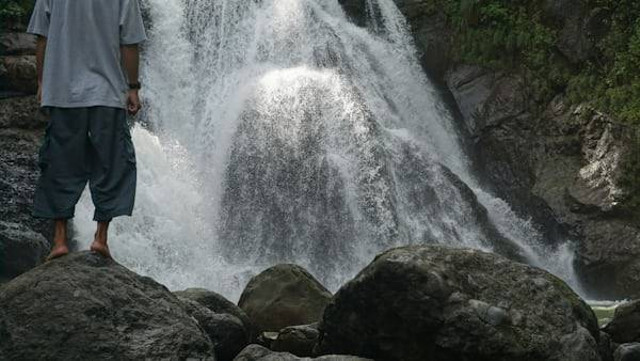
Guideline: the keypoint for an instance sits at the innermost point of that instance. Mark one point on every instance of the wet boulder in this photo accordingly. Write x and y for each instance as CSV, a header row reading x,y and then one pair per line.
x,y
438,303
259,353
218,304
227,332
85,307
21,249
284,295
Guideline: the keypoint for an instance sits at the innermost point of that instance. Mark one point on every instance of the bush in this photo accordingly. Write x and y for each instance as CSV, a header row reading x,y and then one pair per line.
x,y
15,12
518,36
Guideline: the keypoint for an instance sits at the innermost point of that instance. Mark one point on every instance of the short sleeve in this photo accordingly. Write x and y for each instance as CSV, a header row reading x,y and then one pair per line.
x,y
131,24
39,23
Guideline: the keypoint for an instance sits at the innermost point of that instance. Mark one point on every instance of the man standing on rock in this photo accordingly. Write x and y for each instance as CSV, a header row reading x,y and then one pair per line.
x,y
87,61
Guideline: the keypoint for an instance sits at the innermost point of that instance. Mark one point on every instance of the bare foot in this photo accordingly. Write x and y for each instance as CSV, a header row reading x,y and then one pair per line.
x,y
100,248
58,250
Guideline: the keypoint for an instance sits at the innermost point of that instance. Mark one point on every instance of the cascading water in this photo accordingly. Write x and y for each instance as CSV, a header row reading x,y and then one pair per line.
x,y
278,131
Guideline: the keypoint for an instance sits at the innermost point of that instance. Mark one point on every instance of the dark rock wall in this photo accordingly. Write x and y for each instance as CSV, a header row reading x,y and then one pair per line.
x,y
23,239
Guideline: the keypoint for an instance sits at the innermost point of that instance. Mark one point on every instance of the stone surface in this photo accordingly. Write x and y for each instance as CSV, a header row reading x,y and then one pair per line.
x,y
627,352
609,258
21,249
19,169
562,168
494,109
85,307
625,325
298,340
17,44
578,27
432,35
21,135
605,347
437,303
259,353
226,332
283,295
582,186
484,98
218,304
21,112
18,73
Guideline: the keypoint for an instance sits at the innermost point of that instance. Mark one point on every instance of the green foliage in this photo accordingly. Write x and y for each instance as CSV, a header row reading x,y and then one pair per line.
x,y
521,36
15,12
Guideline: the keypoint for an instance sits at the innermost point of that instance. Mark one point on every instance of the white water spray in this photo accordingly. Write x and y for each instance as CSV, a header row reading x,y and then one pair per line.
x,y
284,133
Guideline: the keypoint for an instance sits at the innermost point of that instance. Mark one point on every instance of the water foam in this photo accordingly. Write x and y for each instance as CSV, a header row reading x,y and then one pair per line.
x,y
278,131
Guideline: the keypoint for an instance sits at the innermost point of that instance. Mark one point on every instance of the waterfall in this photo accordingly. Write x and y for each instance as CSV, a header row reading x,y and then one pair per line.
x,y
278,131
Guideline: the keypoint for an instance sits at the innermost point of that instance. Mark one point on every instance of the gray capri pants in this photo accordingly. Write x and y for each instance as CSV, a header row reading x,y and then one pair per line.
x,y
86,144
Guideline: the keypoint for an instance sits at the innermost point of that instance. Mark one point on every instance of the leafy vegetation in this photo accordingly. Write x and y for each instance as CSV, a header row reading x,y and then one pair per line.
x,y
14,12
522,36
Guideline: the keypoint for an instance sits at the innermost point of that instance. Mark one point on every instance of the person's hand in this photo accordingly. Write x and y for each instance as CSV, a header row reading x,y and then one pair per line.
x,y
133,102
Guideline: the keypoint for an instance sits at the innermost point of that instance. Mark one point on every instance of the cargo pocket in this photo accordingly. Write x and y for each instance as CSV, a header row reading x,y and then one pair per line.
x,y
129,150
43,152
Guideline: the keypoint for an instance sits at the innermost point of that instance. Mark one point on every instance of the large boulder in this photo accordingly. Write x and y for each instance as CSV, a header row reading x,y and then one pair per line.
x,y
21,249
218,304
259,353
226,332
625,325
438,303
85,307
284,295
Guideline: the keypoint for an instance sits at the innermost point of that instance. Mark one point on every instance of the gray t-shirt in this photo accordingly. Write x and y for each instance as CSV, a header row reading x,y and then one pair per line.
x,y
82,65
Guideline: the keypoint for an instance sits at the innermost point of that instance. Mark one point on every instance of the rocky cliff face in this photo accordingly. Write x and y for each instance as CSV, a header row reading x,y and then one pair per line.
x,y
22,237
561,164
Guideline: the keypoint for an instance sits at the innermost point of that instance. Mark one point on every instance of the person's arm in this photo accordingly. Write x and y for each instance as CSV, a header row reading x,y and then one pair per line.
x,y
130,62
41,46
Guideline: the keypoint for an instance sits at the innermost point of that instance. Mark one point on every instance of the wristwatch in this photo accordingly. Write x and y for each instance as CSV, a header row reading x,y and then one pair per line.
x,y
135,85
